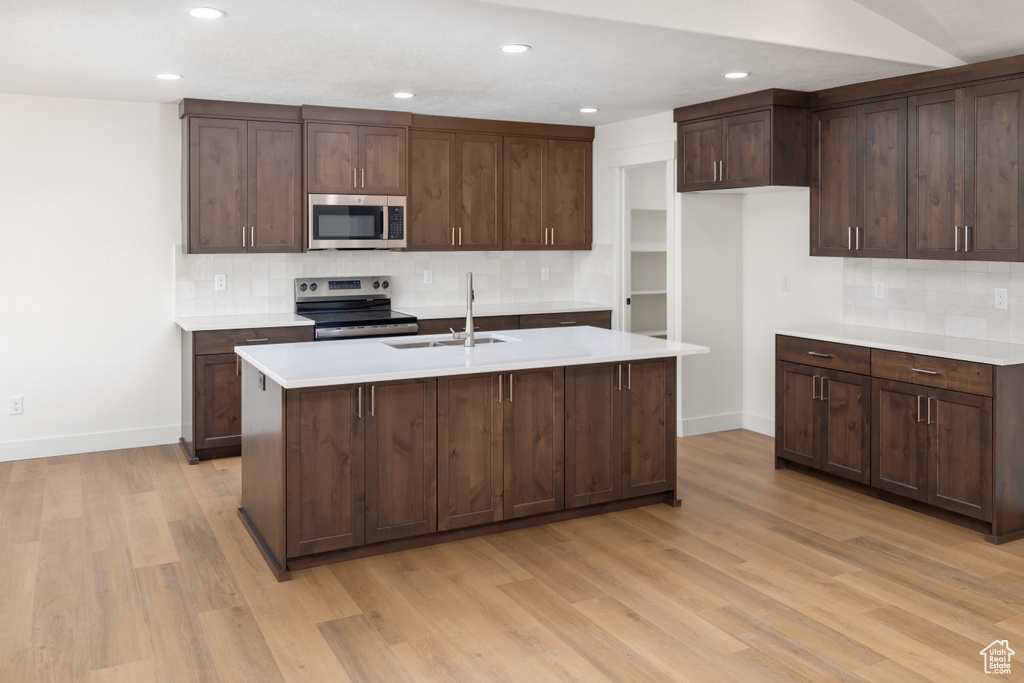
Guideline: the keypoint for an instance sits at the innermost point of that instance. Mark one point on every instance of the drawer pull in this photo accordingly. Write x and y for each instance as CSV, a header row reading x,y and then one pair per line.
x,y
924,372
567,322
256,341
816,354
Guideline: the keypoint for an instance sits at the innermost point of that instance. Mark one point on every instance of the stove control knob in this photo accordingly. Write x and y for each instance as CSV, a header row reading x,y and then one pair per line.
x,y
376,284
312,287
302,287
386,284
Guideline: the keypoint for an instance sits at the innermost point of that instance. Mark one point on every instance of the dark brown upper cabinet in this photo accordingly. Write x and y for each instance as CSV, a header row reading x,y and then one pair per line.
x,y
455,191
244,186
746,141
965,184
547,194
351,159
858,193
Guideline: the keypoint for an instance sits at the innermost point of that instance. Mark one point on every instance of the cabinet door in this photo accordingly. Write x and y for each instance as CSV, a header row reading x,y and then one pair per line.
x,y
593,441
700,151
935,175
899,438
478,207
431,201
332,158
796,408
960,453
881,179
846,425
648,427
567,198
218,396
324,468
217,185
525,168
381,160
401,459
534,449
833,182
275,187
746,150
994,183
470,414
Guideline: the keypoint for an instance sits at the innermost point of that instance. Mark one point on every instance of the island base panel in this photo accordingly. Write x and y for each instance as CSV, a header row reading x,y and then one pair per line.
x,y
471,532
279,572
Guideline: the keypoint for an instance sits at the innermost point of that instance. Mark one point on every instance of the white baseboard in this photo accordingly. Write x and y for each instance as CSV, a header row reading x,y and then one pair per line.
x,y
706,424
759,423
88,443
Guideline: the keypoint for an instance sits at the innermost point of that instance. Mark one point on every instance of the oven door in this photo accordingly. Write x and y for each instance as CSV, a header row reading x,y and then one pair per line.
x,y
347,221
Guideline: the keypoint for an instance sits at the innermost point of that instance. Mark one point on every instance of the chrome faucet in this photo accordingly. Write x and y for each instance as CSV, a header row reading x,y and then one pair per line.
x,y
468,334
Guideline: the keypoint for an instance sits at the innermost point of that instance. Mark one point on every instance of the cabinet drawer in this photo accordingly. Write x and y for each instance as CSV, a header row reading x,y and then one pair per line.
x,y
843,357
487,323
225,341
592,318
941,373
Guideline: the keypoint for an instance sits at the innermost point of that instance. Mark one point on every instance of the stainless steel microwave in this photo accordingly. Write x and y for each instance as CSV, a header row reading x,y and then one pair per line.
x,y
352,221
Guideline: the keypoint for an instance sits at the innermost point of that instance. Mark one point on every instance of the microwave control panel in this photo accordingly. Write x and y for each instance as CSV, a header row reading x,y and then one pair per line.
x,y
396,222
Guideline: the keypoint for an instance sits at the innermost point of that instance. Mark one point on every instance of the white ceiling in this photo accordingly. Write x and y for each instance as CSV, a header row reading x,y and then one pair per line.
x,y
628,59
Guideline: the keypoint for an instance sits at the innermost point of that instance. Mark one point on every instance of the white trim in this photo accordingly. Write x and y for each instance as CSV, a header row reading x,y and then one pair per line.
x,y
707,424
642,154
88,443
759,423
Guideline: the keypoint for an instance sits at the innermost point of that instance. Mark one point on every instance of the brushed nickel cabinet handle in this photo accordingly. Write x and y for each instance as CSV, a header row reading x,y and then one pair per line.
x,y
924,372
257,340
849,238
354,183
552,237
373,400
967,238
243,237
930,399
359,402
460,236
826,389
567,322
919,408
510,387
856,232
956,238
364,177
501,389
252,236
629,377
620,378
238,365
814,387
818,354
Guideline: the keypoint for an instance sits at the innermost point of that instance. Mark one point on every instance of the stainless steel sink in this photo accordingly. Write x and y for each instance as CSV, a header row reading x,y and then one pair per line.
x,y
443,342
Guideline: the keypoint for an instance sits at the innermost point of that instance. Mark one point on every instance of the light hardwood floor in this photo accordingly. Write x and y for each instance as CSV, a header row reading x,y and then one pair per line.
x,y
132,566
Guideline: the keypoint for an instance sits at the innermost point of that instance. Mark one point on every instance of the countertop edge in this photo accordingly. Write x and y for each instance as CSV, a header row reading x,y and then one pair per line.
x,y
235,322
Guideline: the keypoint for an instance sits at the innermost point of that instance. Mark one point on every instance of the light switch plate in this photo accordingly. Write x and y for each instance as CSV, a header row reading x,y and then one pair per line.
x,y
428,277
787,283
999,298
220,281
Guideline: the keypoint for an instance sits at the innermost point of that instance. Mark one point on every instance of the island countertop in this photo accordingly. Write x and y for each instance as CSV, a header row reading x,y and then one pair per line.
x,y
327,363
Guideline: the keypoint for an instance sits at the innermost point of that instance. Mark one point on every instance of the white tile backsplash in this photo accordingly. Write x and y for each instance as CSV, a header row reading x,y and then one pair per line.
x,y
954,298
263,283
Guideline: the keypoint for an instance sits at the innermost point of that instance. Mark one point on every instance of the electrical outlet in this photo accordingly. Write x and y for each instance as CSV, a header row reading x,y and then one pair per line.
x,y
428,277
787,284
879,290
220,282
17,405
545,273
1000,298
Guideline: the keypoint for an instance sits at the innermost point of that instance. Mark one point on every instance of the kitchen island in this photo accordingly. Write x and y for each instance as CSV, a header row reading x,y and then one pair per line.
x,y
354,448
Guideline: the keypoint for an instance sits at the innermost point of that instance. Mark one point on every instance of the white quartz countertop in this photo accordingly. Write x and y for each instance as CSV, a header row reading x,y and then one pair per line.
x,y
235,322
325,363
956,348
459,310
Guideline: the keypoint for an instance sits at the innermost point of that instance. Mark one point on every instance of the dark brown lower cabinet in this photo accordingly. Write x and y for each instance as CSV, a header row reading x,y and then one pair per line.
x,y
823,419
218,401
593,434
470,443
534,444
401,459
648,429
935,446
324,467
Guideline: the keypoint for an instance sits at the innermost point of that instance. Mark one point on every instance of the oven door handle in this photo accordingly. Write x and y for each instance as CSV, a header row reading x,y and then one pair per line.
x,y
328,333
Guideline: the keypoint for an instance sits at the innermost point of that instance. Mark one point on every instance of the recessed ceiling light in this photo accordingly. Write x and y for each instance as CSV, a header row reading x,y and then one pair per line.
x,y
205,12
514,48
403,95
737,74
588,110
169,77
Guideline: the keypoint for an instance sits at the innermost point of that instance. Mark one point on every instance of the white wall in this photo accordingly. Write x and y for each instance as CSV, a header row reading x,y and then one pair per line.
x,y
775,243
89,212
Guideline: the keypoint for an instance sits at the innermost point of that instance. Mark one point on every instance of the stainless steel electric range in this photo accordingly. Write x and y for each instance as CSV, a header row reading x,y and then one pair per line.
x,y
350,307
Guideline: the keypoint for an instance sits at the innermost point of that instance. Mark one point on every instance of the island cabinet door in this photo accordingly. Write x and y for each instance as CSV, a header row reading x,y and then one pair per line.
x,y
324,467
470,413
593,428
648,427
534,451
401,459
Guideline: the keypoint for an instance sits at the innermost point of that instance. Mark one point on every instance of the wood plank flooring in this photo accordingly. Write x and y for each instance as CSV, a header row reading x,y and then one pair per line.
x,y
133,566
